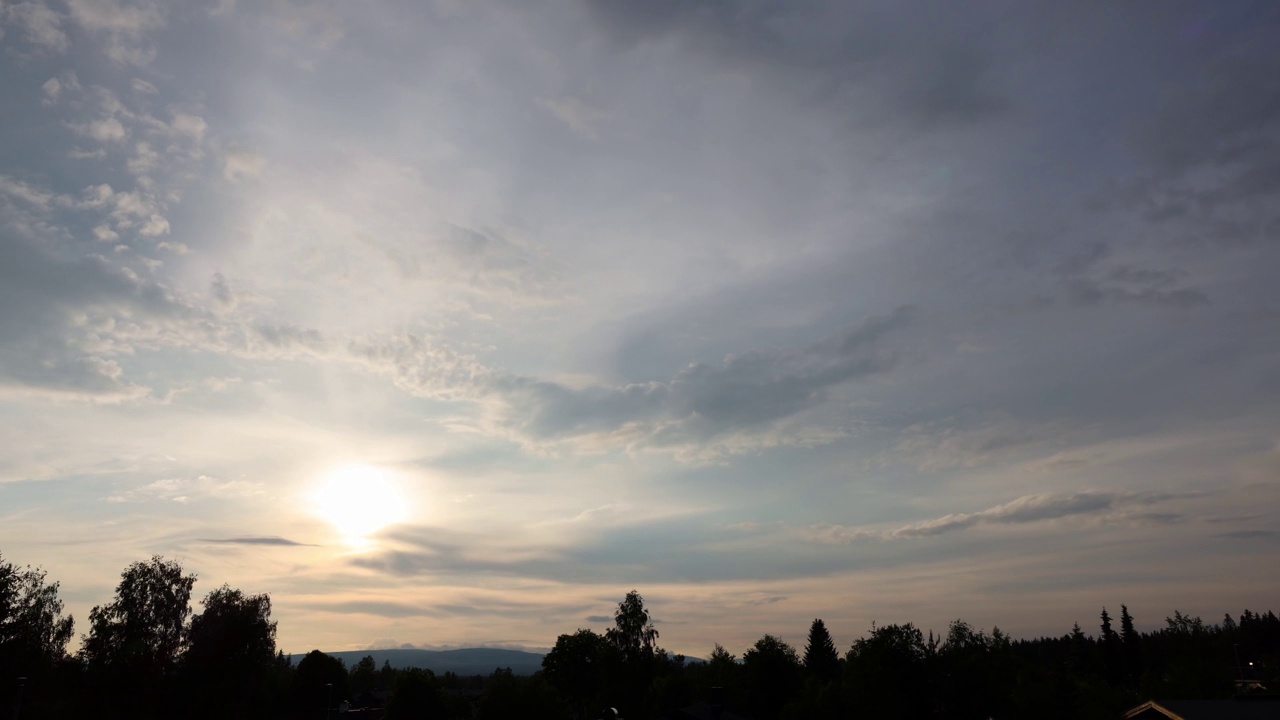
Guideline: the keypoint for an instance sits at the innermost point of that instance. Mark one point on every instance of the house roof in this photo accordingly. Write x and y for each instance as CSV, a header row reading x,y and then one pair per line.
x,y
1206,710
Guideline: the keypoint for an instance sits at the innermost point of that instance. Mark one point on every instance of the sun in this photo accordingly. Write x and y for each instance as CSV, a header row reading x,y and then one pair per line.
x,y
358,500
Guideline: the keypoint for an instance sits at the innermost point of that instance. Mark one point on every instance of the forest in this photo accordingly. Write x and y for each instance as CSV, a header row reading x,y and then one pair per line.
x,y
147,654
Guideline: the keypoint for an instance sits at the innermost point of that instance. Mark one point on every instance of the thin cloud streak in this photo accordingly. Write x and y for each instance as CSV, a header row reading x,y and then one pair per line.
x,y
265,540
1025,509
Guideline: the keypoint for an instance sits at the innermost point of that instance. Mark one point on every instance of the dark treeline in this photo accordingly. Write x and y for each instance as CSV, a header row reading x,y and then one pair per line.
x,y
146,654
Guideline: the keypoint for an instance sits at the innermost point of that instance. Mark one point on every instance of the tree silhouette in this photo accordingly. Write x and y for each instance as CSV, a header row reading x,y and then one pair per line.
x,y
364,676
133,641
821,660
890,673
773,674
633,633
507,696
230,655
976,672
579,666
227,666
416,694
722,667
142,629
1111,662
33,632
319,682
1130,646
635,638
234,628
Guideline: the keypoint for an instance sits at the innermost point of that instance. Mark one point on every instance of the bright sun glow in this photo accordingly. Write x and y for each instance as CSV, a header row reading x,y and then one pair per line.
x,y
359,501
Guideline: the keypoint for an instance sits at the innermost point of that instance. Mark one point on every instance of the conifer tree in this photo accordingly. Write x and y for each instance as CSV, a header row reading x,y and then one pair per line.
x,y
1111,661
1130,645
1127,634
821,659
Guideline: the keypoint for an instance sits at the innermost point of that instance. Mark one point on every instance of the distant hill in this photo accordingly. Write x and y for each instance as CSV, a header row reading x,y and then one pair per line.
x,y
465,661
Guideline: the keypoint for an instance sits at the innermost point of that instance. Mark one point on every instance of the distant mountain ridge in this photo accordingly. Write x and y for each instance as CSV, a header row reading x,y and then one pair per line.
x,y
463,661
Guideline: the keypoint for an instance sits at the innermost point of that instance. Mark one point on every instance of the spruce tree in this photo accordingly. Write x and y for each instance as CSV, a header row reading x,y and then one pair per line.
x,y
821,660
1131,645
1111,661
1127,634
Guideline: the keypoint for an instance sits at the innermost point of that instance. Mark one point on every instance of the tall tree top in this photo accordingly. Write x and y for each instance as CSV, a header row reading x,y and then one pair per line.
x,y
144,626
821,659
633,633
1108,635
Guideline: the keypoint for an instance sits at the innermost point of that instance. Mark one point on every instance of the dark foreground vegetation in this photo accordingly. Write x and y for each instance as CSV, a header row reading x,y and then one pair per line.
x,y
146,655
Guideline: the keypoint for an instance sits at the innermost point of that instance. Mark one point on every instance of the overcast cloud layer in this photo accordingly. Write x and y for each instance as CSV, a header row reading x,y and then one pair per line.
x,y
864,311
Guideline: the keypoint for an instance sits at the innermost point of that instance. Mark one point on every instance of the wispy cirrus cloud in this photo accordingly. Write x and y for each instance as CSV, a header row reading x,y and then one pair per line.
x,y
1023,510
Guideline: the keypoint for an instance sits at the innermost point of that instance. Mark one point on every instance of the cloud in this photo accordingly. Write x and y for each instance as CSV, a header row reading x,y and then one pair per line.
x,y
370,607
48,339
224,7
28,194
487,259
870,66
240,163
154,225
105,130
41,25
580,117
105,234
54,88
123,24
131,18
185,490
681,549
702,402
1029,508
1023,510
1250,534
188,125
264,540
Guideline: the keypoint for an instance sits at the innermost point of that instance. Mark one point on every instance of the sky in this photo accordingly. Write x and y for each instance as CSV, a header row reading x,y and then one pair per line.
x,y
448,323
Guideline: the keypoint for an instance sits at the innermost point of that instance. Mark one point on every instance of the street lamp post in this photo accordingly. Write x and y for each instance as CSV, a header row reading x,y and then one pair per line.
x,y
328,702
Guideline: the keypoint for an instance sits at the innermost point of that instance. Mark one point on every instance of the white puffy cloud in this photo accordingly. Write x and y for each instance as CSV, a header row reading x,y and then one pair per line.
x,y
154,225
104,130
192,127
241,163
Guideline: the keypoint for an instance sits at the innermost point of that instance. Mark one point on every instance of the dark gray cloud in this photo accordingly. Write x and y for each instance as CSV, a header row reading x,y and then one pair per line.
x,y
261,540
683,551
877,69
369,607
702,401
